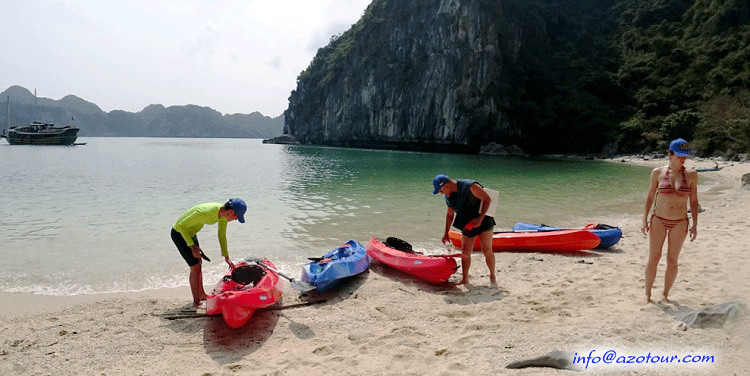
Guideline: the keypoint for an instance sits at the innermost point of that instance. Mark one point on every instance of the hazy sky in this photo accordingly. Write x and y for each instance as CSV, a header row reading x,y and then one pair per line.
x,y
233,56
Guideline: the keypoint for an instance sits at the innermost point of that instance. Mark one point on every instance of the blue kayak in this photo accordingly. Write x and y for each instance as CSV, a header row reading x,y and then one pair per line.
x,y
345,261
609,235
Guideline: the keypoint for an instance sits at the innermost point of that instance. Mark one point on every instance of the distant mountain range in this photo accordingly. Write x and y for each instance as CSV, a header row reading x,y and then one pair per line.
x,y
153,121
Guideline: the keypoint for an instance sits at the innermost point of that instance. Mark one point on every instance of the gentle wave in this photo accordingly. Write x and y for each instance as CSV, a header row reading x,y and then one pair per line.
x,y
101,217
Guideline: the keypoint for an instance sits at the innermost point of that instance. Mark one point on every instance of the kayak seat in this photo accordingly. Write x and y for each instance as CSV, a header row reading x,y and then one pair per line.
x,y
247,274
398,244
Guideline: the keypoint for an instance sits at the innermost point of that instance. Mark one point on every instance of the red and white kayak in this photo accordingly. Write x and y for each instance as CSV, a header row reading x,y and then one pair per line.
x,y
237,302
433,269
559,241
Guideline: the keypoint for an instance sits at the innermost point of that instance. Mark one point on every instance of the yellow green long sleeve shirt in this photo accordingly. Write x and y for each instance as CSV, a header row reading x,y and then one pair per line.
x,y
193,220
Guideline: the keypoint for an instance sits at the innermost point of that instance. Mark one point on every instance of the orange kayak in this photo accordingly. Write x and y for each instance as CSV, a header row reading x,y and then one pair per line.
x,y
566,240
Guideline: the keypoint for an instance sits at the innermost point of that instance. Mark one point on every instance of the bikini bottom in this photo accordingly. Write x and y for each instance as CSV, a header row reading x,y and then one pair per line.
x,y
669,223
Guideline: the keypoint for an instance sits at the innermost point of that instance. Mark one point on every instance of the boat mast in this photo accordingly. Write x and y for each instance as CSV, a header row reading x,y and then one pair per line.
x,y
7,114
36,104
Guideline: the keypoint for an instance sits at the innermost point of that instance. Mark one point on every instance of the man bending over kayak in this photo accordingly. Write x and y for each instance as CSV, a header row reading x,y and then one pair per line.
x,y
468,202
184,236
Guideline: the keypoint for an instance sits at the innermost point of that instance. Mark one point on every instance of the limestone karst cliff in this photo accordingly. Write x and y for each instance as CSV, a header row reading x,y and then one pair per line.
x,y
442,75
551,76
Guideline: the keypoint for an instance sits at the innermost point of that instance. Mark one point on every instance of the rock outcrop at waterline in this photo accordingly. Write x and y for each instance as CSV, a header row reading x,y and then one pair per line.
x,y
444,75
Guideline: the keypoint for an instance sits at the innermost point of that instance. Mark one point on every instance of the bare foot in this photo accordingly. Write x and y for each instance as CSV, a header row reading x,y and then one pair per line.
x,y
664,299
463,281
493,280
648,299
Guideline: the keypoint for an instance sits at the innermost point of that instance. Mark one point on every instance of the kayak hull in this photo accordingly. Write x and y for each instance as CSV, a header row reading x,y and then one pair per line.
x,y
433,269
555,241
237,305
345,261
608,237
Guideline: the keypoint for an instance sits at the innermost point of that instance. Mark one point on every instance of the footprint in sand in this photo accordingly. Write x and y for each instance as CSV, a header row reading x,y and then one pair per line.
x,y
455,366
324,351
458,314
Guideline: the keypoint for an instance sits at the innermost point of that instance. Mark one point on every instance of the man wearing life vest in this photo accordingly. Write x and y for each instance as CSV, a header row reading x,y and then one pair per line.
x,y
468,202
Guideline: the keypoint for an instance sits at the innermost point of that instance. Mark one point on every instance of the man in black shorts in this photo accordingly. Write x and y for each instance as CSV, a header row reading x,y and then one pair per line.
x,y
468,202
184,235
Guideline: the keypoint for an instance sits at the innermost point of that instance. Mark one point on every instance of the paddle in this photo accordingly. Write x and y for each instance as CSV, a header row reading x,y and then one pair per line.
x,y
191,314
297,285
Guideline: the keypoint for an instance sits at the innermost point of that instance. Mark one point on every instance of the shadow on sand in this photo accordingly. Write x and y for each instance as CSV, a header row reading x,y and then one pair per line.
x,y
477,294
411,281
226,345
223,344
559,253
342,291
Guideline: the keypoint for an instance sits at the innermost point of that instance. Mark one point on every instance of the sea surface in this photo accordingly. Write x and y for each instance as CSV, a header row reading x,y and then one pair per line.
x,y
96,218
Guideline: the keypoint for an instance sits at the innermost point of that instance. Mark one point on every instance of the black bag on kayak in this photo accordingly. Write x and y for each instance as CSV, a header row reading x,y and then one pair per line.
x,y
247,274
598,226
398,244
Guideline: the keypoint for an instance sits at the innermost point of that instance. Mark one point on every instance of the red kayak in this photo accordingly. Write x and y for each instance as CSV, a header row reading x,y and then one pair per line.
x,y
566,240
433,269
237,301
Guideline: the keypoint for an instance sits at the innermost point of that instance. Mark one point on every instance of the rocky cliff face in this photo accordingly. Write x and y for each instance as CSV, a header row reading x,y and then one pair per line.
x,y
432,75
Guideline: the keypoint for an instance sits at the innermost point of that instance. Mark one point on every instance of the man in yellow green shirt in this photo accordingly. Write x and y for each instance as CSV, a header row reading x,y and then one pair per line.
x,y
184,235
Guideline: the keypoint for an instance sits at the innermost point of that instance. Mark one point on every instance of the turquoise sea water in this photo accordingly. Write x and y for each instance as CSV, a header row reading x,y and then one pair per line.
x,y
96,218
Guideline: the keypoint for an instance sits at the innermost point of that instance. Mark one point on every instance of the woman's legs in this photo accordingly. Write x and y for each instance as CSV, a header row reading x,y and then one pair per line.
x,y
467,245
675,240
657,234
485,240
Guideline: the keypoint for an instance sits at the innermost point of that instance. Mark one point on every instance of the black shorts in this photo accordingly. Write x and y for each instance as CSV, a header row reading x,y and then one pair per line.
x,y
185,250
488,224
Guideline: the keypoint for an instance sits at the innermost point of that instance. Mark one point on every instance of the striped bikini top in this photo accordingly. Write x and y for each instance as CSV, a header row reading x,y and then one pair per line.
x,y
666,186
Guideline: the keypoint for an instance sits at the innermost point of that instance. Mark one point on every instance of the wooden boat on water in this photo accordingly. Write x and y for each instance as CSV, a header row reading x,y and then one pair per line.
x,y
38,133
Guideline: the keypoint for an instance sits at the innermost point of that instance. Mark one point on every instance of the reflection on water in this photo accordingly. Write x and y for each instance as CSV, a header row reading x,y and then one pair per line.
x,y
96,218
340,193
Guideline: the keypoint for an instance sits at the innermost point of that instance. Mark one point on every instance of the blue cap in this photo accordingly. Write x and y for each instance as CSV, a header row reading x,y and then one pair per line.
x,y
239,207
439,182
679,147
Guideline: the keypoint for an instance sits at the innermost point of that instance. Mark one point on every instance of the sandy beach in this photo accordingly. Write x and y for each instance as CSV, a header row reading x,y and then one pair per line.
x,y
383,322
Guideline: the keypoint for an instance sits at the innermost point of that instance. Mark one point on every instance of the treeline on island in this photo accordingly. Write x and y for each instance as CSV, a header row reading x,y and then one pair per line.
x,y
551,76
153,121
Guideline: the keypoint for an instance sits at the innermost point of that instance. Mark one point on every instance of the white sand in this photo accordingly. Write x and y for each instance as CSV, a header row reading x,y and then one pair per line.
x,y
385,323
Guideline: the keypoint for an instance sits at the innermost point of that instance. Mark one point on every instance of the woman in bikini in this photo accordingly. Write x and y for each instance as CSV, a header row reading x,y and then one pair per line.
x,y
671,189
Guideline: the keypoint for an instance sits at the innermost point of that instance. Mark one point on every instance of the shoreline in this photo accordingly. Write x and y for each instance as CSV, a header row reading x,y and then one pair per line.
x,y
383,321
31,304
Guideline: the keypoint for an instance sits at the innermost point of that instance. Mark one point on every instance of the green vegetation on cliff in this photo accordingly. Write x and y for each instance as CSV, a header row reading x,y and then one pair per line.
x,y
682,61
547,75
